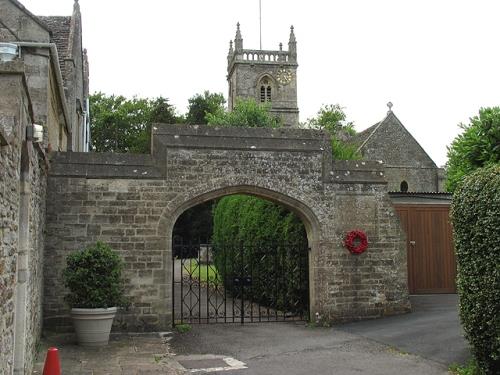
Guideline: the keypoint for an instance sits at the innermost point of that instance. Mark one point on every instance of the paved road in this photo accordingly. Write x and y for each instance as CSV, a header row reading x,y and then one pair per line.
x,y
432,330
370,347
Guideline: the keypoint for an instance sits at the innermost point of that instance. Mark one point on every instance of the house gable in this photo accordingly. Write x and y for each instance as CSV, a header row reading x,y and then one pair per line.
x,y
18,23
392,143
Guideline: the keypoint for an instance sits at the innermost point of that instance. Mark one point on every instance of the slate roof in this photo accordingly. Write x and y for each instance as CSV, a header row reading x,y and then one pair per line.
x,y
60,28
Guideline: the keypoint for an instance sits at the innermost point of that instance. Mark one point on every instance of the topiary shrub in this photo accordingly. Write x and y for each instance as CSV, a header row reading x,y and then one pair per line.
x,y
476,226
93,277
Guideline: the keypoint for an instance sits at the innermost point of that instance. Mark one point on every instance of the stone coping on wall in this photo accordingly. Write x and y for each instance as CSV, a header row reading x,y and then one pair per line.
x,y
239,138
165,137
103,165
358,172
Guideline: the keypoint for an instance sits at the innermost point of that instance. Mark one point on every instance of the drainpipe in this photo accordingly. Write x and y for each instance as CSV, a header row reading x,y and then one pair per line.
x,y
22,275
87,125
55,65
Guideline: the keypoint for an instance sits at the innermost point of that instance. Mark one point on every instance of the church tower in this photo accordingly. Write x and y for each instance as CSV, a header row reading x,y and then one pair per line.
x,y
266,76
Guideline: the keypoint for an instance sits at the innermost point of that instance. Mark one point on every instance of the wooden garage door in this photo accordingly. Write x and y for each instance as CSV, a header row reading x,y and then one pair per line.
x,y
431,259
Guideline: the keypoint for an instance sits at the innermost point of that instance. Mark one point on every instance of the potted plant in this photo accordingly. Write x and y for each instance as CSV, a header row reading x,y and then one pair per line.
x,y
93,277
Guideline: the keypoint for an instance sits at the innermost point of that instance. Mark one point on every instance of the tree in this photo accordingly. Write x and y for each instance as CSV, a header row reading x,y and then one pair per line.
x,y
332,119
119,124
477,146
246,113
201,105
160,111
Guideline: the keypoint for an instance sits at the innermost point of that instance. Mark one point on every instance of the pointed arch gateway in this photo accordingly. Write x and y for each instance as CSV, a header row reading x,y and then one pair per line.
x,y
213,283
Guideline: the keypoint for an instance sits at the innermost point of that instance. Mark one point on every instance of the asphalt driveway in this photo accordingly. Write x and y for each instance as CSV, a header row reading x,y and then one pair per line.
x,y
432,330
425,341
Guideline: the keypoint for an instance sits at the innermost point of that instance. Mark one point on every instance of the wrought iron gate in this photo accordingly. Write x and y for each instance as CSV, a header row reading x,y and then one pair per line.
x,y
219,284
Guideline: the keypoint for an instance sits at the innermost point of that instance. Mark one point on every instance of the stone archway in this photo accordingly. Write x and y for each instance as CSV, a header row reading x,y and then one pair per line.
x,y
133,201
305,213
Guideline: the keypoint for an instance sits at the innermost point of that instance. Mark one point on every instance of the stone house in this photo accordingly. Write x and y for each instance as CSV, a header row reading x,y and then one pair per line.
x,y
43,81
56,70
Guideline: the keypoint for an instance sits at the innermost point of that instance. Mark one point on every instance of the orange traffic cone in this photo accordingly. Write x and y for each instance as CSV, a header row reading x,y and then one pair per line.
x,y
52,365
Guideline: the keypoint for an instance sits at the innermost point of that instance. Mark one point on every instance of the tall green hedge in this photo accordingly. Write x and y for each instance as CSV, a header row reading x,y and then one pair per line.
x,y
476,224
256,237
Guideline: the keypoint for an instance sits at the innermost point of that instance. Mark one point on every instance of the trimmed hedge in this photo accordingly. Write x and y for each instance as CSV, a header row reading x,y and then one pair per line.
x,y
476,226
257,237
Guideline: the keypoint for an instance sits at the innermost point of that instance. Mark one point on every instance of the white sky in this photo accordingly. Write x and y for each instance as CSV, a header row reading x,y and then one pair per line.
x,y
438,61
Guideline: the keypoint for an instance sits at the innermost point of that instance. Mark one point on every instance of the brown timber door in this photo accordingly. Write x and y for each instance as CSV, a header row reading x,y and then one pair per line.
x,y
431,258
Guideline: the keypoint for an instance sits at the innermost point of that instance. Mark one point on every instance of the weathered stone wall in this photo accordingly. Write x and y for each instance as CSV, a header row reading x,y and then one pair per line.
x,y
20,24
404,158
10,161
418,179
132,202
22,179
37,182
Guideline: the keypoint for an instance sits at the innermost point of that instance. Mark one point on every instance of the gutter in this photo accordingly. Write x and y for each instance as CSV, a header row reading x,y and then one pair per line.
x,y
55,65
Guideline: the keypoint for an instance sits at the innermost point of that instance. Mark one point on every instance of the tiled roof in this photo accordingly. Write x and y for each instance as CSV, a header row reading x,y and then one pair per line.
x,y
60,27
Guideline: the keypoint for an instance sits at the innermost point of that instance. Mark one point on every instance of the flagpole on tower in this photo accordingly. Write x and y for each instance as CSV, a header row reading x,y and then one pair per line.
x,y
260,23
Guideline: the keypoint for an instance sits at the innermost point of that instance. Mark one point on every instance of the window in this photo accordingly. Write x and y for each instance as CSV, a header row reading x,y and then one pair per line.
x,y
265,90
262,94
404,186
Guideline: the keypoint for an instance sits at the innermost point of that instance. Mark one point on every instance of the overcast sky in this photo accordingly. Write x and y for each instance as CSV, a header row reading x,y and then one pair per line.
x,y
437,61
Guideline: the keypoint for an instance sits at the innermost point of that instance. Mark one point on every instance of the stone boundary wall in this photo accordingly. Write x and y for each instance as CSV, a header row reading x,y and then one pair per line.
x,y
109,198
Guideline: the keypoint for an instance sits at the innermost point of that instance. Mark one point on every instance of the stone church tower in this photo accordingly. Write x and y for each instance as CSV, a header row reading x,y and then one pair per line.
x,y
266,76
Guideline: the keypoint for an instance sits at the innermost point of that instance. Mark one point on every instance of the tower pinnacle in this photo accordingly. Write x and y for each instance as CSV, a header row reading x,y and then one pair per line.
x,y
238,40
292,45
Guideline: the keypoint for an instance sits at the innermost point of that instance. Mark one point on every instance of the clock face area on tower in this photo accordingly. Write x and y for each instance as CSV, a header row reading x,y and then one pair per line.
x,y
284,76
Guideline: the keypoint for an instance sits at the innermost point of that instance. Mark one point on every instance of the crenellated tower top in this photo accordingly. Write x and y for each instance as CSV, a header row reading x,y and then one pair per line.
x,y
257,56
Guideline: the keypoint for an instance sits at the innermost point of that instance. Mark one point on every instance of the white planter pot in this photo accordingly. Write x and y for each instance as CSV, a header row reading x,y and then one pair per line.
x,y
93,326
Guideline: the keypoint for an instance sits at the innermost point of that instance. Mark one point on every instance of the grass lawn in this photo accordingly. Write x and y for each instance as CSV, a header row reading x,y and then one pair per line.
x,y
203,272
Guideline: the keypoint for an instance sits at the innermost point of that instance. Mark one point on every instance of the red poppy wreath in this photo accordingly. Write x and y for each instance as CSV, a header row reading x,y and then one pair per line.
x,y
356,241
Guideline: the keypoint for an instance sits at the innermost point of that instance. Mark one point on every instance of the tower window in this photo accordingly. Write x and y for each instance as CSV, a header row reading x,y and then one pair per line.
x,y
404,186
265,94
265,85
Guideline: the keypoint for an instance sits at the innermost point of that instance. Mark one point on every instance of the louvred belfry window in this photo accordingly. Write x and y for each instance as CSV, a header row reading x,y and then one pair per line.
x,y
265,90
